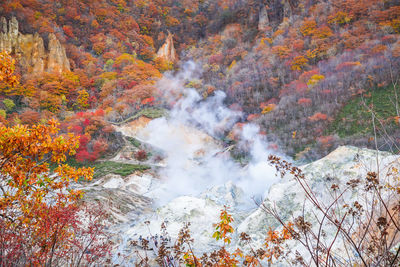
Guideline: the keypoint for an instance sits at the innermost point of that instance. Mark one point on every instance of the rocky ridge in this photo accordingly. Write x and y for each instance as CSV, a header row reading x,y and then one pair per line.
x,y
167,50
30,49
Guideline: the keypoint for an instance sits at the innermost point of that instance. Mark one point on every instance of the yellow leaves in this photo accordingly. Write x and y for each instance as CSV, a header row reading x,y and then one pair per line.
x,y
266,40
268,108
232,65
215,68
188,259
109,75
25,156
315,79
163,65
312,53
394,24
340,18
378,49
141,71
83,99
277,33
7,68
171,21
281,51
299,62
125,58
322,32
308,27
393,173
71,77
224,227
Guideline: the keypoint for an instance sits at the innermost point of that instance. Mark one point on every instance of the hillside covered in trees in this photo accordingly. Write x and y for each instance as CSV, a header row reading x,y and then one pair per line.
x,y
290,66
298,78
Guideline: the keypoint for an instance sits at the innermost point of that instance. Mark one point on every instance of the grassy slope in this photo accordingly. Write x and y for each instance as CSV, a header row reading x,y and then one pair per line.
x,y
106,167
354,119
151,113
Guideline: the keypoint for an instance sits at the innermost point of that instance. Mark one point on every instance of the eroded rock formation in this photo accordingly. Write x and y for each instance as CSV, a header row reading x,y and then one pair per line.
x,y
30,50
263,21
167,51
273,12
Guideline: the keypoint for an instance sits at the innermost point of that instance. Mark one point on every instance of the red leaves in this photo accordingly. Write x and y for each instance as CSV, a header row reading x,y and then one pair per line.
x,y
253,117
83,141
76,129
68,31
93,132
141,155
83,155
216,59
318,117
86,122
304,102
326,141
147,101
40,220
100,146
347,66
58,235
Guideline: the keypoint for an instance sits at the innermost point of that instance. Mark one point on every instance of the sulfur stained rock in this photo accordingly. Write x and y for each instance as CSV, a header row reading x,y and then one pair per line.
x,y
167,51
30,49
57,58
263,21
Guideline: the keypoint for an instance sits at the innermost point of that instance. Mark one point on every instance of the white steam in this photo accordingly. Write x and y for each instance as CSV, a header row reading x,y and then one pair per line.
x,y
195,160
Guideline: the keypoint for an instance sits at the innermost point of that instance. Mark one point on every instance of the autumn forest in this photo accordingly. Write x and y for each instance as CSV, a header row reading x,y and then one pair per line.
x,y
85,84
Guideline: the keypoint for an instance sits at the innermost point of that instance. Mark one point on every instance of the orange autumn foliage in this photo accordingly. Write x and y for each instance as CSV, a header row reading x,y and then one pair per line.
x,y
224,227
275,240
318,117
27,156
7,68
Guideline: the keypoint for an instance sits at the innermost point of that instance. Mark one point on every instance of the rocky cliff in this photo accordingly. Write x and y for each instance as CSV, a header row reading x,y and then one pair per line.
x,y
30,49
167,51
273,12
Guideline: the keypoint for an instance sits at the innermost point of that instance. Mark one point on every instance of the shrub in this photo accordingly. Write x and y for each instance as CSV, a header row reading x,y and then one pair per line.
x,y
141,155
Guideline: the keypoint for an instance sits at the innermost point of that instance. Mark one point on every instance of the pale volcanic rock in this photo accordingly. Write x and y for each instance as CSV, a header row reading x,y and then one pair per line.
x,y
133,127
340,166
263,20
30,49
167,50
57,58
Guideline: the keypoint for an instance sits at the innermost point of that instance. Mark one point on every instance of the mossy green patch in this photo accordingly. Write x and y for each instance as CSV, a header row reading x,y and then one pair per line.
x,y
123,169
151,113
355,117
102,168
134,141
